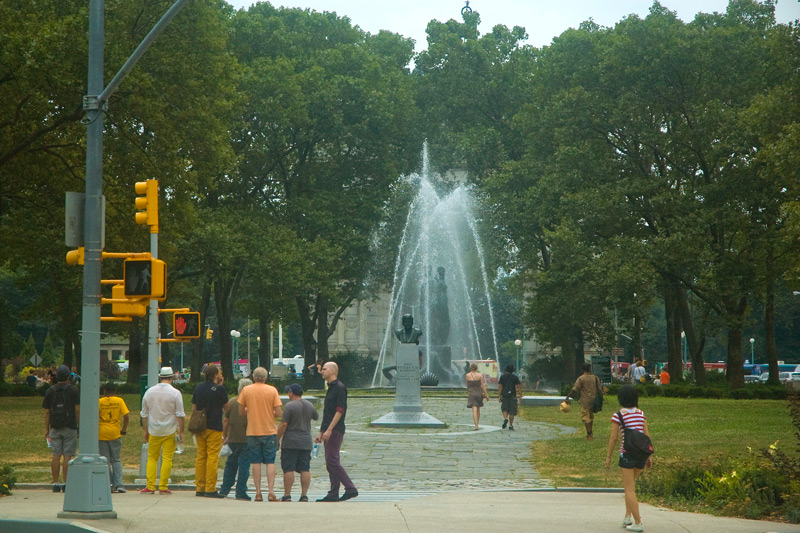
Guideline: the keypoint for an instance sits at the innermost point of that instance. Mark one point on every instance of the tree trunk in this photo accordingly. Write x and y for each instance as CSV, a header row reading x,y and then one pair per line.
x,y
135,351
308,326
769,320
636,335
321,313
735,371
197,344
694,345
580,356
264,323
226,293
166,347
675,362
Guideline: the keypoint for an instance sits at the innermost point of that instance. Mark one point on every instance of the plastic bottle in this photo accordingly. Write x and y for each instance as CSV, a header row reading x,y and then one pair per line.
x,y
179,446
315,451
49,442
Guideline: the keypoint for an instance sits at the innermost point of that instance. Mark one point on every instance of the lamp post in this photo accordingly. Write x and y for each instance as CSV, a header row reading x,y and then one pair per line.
x,y
752,350
683,347
518,344
235,351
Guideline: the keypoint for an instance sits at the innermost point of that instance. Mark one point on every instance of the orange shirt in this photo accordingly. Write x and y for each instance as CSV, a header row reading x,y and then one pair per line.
x,y
664,377
260,401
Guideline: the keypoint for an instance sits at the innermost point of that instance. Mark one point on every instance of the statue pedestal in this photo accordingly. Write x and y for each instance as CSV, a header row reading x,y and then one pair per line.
x,y
407,411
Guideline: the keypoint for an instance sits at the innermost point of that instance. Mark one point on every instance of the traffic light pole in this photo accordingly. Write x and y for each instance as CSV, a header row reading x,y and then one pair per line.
x,y
152,327
88,492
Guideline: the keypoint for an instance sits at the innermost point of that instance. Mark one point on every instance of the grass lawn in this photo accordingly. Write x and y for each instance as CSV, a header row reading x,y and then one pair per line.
x,y
681,429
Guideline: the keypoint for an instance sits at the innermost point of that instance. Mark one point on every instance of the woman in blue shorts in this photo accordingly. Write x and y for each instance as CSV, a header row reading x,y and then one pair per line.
x,y
630,467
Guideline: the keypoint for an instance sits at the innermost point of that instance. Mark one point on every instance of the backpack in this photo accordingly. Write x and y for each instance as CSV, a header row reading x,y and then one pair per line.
x,y
59,408
636,444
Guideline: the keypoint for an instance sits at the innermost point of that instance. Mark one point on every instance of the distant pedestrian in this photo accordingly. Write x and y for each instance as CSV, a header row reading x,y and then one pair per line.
x,y
162,418
234,434
664,377
113,412
294,437
630,467
212,397
586,388
509,394
639,373
32,379
262,405
476,392
332,434
62,416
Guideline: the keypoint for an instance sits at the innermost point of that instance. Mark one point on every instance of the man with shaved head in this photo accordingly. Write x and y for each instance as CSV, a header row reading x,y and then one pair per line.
x,y
332,434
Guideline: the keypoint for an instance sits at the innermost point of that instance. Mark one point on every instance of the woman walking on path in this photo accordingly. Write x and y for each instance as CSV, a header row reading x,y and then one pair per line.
x,y
630,467
476,392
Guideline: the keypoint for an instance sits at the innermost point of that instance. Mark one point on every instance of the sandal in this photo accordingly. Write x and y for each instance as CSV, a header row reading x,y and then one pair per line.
x,y
258,498
286,498
303,499
271,497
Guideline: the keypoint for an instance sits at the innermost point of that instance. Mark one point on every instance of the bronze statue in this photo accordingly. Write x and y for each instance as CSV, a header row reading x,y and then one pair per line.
x,y
408,334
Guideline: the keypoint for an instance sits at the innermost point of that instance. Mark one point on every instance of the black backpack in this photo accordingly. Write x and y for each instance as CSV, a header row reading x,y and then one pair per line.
x,y
636,444
59,408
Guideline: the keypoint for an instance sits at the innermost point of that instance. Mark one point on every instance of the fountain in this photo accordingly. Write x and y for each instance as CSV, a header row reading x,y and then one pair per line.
x,y
440,279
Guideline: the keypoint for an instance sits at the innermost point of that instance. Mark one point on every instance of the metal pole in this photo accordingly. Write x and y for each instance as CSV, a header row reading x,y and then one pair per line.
x,y
152,328
88,493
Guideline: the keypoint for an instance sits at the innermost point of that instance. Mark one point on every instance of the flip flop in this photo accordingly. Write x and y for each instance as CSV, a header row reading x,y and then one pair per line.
x,y
272,498
286,499
303,499
258,498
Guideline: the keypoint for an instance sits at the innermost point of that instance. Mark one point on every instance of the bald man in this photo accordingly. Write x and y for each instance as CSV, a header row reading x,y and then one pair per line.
x,y
332,434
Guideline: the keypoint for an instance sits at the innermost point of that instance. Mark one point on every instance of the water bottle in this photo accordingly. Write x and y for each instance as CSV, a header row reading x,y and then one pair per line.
x,y
315,451
49,442
179,446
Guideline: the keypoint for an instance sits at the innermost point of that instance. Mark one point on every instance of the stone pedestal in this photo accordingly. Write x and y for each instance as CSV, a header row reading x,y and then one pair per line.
x,y
407,411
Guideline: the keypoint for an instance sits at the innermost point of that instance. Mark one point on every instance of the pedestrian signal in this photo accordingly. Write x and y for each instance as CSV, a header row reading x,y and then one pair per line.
x,y
186,325
145,278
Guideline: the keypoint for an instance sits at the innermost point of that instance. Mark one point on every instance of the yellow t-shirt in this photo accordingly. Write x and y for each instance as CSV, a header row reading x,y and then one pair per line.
x,y
111,412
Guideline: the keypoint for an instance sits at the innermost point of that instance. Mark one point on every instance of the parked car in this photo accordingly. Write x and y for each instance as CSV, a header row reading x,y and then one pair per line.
x,y
794,376
752,379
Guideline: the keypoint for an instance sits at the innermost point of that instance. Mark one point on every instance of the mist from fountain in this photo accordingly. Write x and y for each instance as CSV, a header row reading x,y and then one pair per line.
x,y
441,231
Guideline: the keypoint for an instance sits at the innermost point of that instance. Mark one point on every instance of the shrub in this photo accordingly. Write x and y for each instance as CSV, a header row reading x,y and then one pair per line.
x,y
355,370
7,479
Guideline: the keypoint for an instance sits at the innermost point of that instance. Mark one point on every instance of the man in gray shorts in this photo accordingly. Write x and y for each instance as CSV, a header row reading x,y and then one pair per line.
x,y
294,436
62,413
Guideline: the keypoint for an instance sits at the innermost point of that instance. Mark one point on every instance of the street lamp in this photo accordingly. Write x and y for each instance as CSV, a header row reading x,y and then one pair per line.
x,y
683,347
518,344
752,351
235,352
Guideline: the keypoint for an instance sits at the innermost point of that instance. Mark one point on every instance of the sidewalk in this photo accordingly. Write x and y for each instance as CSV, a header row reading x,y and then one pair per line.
x,y
419,480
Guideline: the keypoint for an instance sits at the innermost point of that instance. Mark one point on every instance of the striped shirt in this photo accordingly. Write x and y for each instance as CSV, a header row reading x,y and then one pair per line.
x,y
634,419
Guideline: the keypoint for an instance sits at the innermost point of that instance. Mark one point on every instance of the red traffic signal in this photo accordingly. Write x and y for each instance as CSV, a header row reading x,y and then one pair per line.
x,y
186,325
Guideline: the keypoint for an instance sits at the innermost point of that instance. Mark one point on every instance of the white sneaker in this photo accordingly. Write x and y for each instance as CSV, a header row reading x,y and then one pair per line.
x,y
635,527
628,520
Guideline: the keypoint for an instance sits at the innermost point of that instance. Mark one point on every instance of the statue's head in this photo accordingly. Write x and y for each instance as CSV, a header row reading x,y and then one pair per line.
x,y
440,270
408,321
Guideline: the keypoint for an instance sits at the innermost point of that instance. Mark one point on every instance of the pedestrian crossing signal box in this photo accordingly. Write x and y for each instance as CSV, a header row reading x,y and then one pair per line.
x,y
145,278
186,325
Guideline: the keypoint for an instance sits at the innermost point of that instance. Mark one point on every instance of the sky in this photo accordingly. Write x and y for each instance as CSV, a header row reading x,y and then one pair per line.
x,y
542,20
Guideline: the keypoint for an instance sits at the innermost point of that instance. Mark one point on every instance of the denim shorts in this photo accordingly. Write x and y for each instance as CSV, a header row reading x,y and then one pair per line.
x,y
629,461
262,449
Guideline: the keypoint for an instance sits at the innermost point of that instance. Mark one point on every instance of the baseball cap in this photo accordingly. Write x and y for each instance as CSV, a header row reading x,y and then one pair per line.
x,y
166,372
62,372
295,389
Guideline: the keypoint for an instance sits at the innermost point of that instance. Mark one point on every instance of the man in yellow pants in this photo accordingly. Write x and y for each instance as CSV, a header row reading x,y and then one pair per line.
x,y
211,397
162,416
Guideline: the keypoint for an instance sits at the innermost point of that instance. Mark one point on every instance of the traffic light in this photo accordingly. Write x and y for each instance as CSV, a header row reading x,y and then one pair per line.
x,y
75,257
145,278
147,205
186,325
209,333
129,309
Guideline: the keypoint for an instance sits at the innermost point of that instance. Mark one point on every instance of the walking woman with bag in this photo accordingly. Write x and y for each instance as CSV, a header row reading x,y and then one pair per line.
x,y
587,387
631,464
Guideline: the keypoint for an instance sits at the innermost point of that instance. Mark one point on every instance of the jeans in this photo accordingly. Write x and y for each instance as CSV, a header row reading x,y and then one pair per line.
x,y
336,471
110,450
209,443
154,448
237,467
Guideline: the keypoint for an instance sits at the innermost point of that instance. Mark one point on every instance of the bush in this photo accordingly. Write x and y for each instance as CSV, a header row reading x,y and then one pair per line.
x,y
355,370
21,389
7,479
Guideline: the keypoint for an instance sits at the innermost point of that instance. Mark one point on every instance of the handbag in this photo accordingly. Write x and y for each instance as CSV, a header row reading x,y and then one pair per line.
x,y
636,443
197,423
597,406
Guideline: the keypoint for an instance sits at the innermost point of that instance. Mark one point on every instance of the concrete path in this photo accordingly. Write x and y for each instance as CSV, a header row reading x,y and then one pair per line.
x,y
453,479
